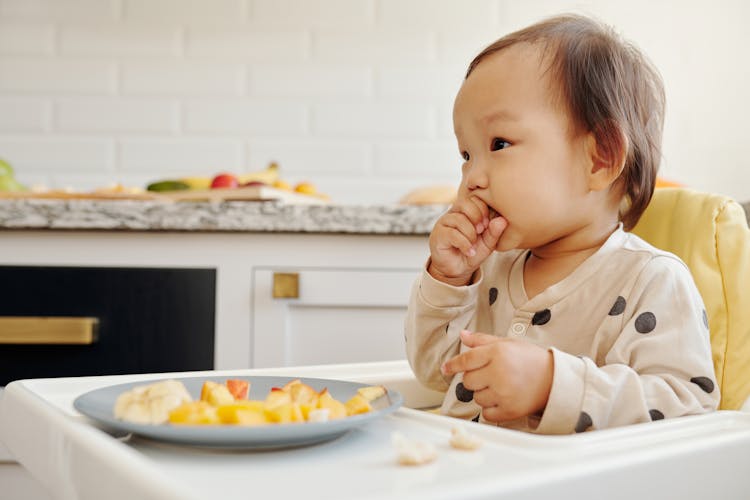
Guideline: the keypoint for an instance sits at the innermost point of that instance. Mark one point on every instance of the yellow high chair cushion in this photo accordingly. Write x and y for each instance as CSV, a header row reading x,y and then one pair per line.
x,y
710,233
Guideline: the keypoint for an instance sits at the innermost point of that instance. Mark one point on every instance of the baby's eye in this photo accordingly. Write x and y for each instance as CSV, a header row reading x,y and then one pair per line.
x,y
465,155
498,144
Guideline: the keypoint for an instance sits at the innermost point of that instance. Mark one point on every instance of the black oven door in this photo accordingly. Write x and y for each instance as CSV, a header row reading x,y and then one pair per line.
x,y
77,321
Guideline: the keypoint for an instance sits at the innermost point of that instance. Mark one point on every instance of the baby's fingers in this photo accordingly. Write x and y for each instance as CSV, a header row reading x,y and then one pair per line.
x,y
475,210
469,360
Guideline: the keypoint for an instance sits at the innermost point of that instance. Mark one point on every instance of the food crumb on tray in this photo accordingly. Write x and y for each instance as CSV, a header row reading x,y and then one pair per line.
x,y
412,452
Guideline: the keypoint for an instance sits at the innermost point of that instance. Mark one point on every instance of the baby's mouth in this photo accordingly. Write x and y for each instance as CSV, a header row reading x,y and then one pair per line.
x,y
493,213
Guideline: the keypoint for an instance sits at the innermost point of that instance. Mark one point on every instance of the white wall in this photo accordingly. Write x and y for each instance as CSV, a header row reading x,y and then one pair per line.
x,y
355,95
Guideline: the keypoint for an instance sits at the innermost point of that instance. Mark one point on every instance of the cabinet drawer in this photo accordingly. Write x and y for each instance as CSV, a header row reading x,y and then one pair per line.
x,y
143,319
337,316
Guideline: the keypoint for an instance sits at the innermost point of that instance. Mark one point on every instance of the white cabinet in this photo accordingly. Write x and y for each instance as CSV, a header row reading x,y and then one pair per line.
x,y
338,315
353,289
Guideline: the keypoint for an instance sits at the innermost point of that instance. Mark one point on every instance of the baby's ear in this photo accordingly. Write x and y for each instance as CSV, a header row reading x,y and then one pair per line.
x,y
607,150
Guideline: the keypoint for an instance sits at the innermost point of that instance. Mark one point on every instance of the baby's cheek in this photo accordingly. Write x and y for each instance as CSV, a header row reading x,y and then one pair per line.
x,y
509,240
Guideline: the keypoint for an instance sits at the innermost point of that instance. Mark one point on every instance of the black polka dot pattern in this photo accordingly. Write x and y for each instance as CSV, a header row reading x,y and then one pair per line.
x,y
618,307
584,422
493,295
645,322
705,319
704,383
463,394
656,415
476,419
541,317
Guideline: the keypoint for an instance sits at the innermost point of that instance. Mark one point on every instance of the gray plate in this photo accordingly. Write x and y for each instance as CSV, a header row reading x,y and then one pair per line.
x,y
99,406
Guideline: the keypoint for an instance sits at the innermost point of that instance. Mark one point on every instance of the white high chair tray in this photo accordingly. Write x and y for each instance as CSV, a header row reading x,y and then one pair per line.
x,y
692,457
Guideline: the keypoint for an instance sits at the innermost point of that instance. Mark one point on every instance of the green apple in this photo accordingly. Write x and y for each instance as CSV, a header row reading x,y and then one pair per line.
x,y
5,168
8,183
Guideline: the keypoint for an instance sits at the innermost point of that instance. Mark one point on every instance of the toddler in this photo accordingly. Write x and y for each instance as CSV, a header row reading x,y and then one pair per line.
x,y
537,310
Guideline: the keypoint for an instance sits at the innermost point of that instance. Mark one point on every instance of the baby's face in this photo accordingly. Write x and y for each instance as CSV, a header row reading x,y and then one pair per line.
x,y
520,156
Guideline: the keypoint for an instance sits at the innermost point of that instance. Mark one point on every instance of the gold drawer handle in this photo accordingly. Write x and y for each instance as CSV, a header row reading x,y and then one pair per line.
x,y
285,285
48,330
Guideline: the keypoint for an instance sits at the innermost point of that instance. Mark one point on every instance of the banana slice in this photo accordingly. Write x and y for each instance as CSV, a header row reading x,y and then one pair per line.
x,y
411,452
151,404
462,440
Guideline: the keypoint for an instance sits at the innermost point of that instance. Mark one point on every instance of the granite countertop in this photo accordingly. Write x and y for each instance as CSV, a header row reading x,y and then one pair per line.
x,y
227,216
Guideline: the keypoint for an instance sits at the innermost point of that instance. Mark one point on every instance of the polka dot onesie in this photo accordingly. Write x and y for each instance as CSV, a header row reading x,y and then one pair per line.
x,y
627,330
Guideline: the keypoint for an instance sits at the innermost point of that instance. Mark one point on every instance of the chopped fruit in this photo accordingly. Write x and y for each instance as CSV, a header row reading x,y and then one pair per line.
x,y
336,408
238,388
301,393
227,403
243,413
194,413
224,181
277,398
318,415
356,405
371,393
216,394
286,413
279,184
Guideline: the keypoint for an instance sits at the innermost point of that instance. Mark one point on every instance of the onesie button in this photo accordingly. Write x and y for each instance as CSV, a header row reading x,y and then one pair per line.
x,y
518,328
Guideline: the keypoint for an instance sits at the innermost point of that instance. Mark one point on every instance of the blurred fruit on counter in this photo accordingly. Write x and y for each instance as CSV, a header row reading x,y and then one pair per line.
x,y
430,195
161,186
269,175
117,188
223,181
8,180
231,183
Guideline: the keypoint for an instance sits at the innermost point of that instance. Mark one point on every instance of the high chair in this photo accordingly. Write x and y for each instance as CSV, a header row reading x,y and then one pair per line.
x,y
710,234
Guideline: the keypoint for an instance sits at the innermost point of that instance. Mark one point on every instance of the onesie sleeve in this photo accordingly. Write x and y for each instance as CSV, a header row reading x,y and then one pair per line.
x,y
659,366
436,314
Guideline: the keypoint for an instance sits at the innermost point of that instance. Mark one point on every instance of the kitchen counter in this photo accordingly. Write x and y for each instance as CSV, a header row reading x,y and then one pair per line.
x,y
690,458
228,216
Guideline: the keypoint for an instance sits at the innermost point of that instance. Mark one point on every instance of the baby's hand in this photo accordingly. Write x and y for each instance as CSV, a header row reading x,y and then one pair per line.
x,y
511,378
462,239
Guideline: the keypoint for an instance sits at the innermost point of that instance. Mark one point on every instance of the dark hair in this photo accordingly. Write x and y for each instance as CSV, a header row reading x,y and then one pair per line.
x,y
610,89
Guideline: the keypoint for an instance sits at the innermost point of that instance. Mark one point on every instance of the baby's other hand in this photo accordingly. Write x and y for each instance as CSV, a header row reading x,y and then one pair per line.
x,y
462,239
511,378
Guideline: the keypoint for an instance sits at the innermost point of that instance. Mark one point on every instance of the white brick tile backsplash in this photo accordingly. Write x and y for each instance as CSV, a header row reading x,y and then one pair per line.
x,y
354,95
117,115
461,48
318,13
184,156
445,14
108,39
238,117
182,78
56,75
295,81
60,10
26,38
58,153
429,159
391,46
306,157
373,120
24,115
248,45
186,11
440,83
